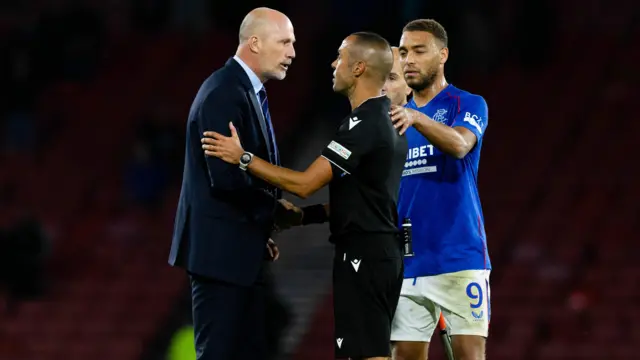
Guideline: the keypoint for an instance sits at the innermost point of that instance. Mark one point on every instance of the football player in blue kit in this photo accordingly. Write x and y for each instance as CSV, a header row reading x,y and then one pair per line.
x,y
449,273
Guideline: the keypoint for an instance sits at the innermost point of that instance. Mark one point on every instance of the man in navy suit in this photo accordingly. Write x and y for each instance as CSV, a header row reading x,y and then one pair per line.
x,y
225,216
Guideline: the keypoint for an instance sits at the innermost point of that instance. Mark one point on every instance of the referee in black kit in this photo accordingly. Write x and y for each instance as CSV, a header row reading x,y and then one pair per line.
x,y
362,165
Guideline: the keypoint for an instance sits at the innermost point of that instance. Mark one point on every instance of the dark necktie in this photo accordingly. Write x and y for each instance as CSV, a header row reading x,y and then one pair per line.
x,y
264,103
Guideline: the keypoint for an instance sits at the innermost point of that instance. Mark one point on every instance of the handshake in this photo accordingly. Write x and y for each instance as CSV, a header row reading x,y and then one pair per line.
x,y
287,215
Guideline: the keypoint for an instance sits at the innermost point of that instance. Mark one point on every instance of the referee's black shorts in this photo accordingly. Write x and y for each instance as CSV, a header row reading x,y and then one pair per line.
x,y
367,277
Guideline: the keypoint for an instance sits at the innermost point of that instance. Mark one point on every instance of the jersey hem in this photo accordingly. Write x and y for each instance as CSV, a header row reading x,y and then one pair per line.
x,y
419,275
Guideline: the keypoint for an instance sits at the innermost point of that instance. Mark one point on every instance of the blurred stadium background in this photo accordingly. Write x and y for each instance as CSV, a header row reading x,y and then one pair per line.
x,y
94,101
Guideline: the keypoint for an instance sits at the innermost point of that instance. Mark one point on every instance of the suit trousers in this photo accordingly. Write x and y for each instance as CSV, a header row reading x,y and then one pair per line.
x,y
228,319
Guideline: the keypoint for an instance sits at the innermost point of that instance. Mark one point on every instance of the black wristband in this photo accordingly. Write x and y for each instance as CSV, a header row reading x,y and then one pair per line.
x,y
314,214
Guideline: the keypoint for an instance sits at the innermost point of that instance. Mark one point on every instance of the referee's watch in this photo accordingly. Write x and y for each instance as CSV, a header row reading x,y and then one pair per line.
x,y
245,160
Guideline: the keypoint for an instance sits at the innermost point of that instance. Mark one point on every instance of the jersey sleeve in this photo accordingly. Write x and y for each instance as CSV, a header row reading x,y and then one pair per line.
x,y
352,141
473,115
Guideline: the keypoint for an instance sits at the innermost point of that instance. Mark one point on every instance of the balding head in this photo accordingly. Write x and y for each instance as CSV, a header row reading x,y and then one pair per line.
x,y
260,21
362,55
266,43
374,51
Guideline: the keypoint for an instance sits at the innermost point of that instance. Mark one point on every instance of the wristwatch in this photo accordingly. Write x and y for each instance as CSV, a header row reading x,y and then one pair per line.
x,y
245,160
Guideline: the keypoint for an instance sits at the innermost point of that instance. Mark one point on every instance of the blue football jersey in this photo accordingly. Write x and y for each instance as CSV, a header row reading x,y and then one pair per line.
x,y
439,193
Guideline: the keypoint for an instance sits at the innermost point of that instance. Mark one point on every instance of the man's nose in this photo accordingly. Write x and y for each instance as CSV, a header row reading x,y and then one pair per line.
x,y
408,59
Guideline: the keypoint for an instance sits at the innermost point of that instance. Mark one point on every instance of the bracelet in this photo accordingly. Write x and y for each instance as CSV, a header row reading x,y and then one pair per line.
x,y
314,214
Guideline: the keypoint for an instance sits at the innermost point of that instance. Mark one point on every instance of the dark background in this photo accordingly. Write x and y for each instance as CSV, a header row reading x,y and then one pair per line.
x,y
94,98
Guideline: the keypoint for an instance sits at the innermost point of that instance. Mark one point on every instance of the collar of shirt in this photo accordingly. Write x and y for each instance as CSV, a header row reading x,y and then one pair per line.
x,y
255,81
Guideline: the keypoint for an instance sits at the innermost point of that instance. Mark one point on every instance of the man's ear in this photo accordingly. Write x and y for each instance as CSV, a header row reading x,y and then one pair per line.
x,y
254,44
444,55
358,68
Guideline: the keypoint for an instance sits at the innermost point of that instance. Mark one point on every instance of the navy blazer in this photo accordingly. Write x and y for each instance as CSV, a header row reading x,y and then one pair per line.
x,y
224,216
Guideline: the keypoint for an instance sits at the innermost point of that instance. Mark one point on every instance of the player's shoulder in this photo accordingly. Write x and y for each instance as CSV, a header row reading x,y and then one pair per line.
x,y
468,98
374,111
224,81
368,120
221,88
374,107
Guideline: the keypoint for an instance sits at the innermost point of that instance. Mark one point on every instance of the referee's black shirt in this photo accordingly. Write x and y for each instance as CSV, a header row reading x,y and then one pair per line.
x,y
367,156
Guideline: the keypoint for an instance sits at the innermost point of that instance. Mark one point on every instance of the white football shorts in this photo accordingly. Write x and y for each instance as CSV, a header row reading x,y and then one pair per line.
x,y
462,297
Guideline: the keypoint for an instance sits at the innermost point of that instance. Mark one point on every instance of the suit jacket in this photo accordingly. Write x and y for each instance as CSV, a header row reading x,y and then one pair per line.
x,y
224,216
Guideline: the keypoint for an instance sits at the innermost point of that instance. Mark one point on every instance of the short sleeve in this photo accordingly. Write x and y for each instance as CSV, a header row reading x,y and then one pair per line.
x,y
473,115
354,139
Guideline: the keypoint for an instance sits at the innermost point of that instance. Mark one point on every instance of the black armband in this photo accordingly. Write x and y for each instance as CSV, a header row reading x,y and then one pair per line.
x,y
314,214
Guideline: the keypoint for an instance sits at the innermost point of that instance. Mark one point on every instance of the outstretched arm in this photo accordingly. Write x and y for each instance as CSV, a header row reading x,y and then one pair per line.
x,y
299,183
227,182
456,140
312,214
315,214
341,157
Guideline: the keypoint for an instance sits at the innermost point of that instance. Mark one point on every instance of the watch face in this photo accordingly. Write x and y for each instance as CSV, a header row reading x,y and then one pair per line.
x,y
245,158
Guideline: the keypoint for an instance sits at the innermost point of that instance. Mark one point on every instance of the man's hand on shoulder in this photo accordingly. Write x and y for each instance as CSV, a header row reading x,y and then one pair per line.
x,y
287,215
403,117
226,148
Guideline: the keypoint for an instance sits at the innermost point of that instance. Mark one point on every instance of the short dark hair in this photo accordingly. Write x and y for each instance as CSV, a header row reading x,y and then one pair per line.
x,y
431,26
371,39
381,61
